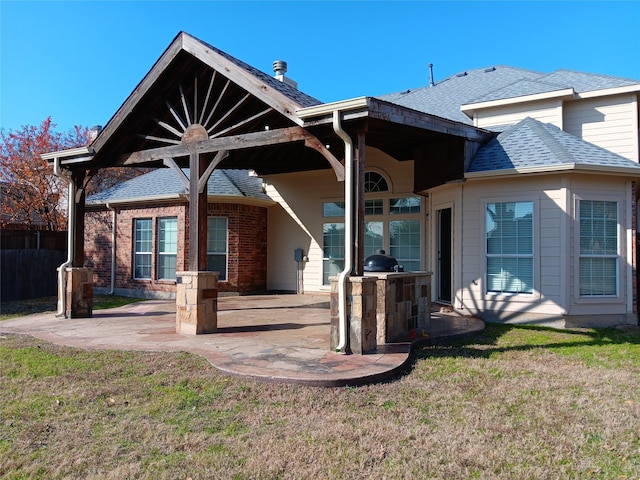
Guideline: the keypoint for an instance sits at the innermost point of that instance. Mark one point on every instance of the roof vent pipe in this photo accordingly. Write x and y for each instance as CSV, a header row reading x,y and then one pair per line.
x,y
280,69
431,82
94,132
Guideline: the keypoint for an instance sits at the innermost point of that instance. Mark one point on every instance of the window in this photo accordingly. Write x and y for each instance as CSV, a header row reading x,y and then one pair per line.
x,y
509,247
217,228
598,248
143,235
374,182
333,209
404,243
374,207
391,224
404,205
167,248
332,250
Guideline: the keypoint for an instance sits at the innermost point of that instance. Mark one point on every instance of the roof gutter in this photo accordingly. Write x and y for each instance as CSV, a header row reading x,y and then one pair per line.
x,y
71,213
348,233
578,168
58,159
114,220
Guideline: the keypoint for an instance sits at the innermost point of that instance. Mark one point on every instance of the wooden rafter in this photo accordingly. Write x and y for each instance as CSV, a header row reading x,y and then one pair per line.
x,y
204,178
235,142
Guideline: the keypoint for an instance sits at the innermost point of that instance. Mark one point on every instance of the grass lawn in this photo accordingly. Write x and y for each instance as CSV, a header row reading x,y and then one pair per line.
x,y
20,308
514,403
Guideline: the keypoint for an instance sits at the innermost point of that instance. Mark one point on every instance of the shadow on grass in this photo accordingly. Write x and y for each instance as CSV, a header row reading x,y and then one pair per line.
x,y
499,338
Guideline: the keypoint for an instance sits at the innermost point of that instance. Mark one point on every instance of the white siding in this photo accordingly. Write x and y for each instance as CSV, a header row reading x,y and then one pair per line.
x,y
555,246
601,188
609,122
549,111
297,221
550,279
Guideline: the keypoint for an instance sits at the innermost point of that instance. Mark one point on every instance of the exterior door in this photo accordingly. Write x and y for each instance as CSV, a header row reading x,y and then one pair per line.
x,y
445,263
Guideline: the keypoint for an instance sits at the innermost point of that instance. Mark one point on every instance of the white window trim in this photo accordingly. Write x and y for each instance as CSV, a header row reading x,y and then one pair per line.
x,y
226,253
159,253
386,218
598,299
512,297
136,253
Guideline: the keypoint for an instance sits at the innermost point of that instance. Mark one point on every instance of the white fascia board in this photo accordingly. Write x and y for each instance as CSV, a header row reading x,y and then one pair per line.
x,y
83,153
184,197
541,170
609,91
328,108
133,200
565,93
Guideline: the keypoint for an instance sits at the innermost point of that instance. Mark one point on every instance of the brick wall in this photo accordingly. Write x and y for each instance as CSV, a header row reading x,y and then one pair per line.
x,y
247,262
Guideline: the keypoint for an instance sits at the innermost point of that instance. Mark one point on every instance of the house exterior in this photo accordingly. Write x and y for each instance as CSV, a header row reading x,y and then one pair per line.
x,y
146,218
516,189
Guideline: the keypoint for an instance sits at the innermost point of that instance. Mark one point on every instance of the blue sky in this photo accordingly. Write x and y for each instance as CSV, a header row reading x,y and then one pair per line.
x,y
77,61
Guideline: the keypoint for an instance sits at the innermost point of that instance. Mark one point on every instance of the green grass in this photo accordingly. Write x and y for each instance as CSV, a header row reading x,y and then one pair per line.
x,y
20,308
515,402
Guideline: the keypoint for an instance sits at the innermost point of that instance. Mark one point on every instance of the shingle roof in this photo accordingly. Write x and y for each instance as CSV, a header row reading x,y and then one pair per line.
x,y
165,183
587,82
293,93
531,143
444,99
496,83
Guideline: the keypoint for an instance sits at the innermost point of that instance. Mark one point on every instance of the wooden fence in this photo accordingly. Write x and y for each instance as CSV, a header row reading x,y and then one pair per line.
x,y
32,240
29,274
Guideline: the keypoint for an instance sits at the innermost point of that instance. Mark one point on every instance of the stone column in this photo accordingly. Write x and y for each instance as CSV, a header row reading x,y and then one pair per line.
x,y
361,314
79,292
196,302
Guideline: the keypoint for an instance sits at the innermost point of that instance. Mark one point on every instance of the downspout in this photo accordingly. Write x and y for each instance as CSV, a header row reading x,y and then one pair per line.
x,y
71,213
348,232
114,218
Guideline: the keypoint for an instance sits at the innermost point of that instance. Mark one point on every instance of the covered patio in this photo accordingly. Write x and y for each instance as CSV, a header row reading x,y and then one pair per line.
x,y
201,109
276,338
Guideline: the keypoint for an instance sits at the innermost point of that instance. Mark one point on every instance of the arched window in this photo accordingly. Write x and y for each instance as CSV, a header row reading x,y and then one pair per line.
x,y
374,182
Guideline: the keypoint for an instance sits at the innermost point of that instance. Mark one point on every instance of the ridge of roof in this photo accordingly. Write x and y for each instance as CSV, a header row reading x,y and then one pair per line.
x,y
499,82
290,91
585,82
534,145
520,88
446,96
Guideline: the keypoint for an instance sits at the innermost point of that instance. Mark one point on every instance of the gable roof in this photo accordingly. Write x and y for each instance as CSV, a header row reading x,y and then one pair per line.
x,y
446,97
531,146
194,84
165,184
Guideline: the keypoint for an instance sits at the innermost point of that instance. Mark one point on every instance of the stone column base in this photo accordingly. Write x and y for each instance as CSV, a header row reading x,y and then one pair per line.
x,y
361,314
79,293
196,302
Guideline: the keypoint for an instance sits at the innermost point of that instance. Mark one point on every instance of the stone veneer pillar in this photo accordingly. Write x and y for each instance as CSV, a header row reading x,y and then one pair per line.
x,y
79,292
196,302
361,314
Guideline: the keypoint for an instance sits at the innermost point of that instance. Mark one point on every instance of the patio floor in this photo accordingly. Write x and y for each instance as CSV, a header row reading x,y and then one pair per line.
x,y
281,338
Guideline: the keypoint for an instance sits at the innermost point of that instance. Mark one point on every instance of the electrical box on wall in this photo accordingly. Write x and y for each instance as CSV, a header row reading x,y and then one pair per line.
x,y
298,254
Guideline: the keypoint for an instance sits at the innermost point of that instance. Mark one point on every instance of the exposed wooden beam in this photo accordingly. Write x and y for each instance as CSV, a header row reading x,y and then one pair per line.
x,y
204,178
239,124
242,77
215,105
171,163
176,116
229,112
338,168
206,98
235,142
